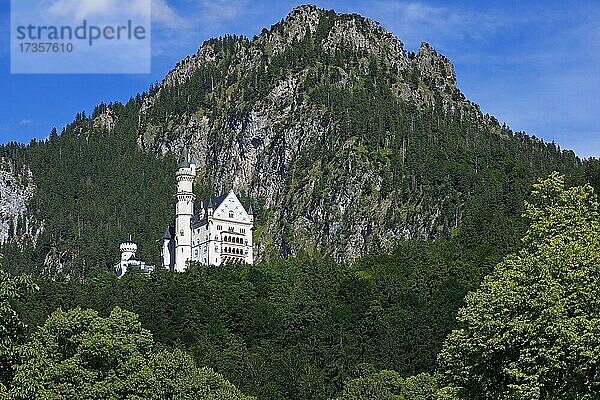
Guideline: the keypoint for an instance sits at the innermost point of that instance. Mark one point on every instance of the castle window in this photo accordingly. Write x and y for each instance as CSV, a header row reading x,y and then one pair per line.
x,y
242,230
231,229
219,227
230,214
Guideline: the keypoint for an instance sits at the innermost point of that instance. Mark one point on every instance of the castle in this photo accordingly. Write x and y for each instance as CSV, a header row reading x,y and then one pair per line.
x,y
219,231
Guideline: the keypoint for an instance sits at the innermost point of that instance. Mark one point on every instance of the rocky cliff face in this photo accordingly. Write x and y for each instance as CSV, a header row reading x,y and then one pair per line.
x,y
255,143
16,191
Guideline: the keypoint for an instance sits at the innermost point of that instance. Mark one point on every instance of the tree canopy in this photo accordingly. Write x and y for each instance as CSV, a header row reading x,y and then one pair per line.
x,y
389,385
299,328
78,354
12,328
532,330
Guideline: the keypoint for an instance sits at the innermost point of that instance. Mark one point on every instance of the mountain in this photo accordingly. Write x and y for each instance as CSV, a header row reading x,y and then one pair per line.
x,y
342,141
341,134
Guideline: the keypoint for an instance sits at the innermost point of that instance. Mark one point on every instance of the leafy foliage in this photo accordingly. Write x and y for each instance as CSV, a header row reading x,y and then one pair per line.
x,y
295,328
532,330
389,385
78,354
12,328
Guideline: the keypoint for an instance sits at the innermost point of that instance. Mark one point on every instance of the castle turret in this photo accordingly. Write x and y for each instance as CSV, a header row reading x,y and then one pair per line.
x,y
168,250
128,249
184,209
128,260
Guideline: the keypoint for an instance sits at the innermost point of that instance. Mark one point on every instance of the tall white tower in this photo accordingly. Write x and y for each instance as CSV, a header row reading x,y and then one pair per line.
x,y
184,209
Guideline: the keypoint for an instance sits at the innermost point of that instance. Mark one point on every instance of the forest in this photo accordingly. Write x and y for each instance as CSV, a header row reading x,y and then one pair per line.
x,y
305,327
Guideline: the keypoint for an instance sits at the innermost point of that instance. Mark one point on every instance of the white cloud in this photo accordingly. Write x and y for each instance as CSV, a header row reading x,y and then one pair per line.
x,y
82,9
414,22
215,12
165,15
200,15
177,34
161,12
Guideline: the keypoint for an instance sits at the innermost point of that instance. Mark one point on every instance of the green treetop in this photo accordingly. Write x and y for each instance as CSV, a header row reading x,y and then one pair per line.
x,y
532,330
79,355
11,327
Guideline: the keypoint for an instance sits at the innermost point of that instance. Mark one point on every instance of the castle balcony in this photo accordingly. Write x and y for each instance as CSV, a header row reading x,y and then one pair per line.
x,y
235,239
234,251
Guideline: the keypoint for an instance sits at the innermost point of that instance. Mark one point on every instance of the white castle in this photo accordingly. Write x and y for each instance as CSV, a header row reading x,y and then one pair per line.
x,y
219,231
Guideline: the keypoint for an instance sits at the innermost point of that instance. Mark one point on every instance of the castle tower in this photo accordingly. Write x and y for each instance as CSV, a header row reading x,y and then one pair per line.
x,y
184,209
168,248
128,249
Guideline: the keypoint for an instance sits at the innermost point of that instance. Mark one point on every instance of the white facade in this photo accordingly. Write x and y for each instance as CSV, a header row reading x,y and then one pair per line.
x,y
219,231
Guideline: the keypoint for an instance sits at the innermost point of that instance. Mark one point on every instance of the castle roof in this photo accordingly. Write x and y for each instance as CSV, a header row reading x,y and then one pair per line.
x,y
186,158
127,239
169,233
199,218
216,202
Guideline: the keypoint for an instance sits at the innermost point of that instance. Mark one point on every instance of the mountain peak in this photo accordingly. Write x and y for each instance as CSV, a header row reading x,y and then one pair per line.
x,y
301,21
435,66
342,142
304,10
309,42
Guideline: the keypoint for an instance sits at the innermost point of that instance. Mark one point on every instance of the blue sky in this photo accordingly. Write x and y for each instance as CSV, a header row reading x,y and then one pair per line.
x,y
533,64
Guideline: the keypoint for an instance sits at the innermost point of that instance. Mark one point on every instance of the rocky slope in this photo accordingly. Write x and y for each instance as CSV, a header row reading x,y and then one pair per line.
x,y
16,191
258,138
